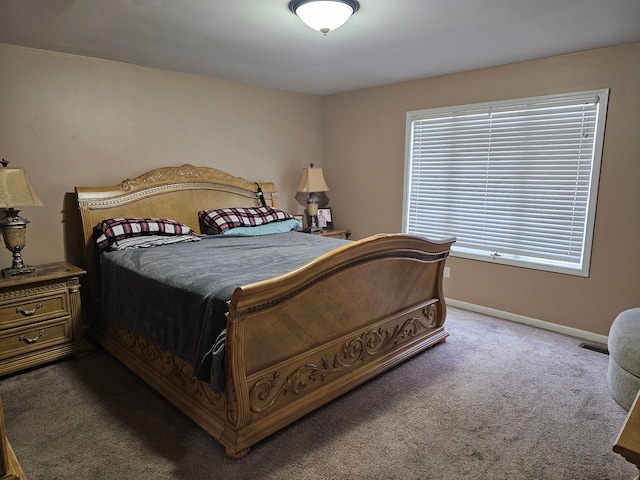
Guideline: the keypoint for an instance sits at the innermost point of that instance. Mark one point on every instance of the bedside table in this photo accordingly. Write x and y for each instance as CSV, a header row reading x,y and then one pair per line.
x,y
335,233
40,317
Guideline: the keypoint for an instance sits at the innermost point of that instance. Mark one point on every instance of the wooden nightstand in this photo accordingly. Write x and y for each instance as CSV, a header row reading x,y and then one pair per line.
x,y
335,233
40,317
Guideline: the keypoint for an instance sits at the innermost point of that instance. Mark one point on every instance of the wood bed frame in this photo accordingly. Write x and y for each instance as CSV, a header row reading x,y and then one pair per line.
x,y
294,342
10,468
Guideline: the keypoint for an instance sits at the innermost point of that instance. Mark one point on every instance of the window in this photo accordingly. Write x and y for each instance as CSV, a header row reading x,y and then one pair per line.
x,y
514,181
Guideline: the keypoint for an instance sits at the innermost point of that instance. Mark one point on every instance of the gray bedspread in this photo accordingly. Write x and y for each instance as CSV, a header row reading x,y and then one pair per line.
x,y
176,295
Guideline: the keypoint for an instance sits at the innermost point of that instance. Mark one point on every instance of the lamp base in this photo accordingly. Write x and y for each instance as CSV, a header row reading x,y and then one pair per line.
x,y
18,267
11,271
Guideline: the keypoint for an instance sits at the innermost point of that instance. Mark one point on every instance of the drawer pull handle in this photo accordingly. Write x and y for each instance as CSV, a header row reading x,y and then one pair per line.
x,y
27,313
24,339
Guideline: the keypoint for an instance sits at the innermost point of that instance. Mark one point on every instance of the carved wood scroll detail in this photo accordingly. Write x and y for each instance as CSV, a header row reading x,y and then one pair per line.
x,y
182,172
175,179
99,203
173,368
207,178
359,350
39,289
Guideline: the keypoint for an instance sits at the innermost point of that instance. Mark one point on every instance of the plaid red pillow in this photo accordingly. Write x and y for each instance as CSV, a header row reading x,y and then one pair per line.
x,y
220,220
113,229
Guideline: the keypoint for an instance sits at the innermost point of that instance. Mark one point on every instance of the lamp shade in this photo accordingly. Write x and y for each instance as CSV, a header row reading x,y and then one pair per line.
x,y
312,180
324,15
15,190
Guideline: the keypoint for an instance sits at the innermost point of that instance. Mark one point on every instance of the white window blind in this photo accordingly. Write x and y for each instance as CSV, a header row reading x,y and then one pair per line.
x,y
515,182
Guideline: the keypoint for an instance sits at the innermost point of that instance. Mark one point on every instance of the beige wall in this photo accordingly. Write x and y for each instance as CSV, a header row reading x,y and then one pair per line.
x,y
77,121
364,135
72,120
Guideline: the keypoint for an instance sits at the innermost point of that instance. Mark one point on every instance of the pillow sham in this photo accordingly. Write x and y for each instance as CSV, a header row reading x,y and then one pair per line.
x,y
147,241
220,220
112,230
266,229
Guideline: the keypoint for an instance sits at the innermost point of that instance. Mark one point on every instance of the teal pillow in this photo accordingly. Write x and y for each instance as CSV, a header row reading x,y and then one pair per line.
x,y
266,229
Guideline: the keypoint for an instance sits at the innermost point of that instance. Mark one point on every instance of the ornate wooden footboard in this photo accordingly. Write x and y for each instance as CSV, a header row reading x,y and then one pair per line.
x,y
298,341
294,342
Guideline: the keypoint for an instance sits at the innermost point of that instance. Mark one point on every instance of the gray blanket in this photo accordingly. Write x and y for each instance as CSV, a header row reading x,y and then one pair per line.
x,y
176,295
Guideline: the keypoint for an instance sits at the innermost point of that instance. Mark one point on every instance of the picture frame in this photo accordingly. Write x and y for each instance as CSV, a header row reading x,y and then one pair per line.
x,y
325,218
301,219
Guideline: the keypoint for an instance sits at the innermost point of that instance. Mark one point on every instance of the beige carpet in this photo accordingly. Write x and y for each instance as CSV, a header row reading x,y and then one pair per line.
x,y
498,400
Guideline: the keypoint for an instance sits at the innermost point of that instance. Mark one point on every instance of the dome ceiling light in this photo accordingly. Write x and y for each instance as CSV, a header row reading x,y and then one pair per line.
x,y
324,15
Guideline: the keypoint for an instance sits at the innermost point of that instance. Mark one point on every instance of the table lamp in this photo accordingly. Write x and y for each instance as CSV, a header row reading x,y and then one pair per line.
x,y
312,181
15,191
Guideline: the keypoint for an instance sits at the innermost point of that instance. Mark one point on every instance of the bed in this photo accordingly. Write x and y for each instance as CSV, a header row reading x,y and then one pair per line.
x,y
293,341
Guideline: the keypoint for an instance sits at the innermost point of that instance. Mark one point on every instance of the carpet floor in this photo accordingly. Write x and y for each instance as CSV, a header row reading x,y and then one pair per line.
x,y
498,400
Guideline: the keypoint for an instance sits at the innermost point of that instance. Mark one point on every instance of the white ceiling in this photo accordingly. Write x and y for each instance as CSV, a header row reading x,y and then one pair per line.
x,y
261,42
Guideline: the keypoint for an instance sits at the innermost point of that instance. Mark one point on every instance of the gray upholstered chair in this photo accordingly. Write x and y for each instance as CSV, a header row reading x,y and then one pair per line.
x,y
623,377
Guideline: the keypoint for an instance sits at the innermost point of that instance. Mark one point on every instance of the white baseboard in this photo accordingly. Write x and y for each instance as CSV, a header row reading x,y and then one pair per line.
x,y
534,322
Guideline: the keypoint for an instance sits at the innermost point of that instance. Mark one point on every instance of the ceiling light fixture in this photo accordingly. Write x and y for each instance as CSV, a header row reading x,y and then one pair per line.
x,y
324,15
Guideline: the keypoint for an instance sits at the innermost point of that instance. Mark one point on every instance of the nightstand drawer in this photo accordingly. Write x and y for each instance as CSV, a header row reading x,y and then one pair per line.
x,y
33,309
17,341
